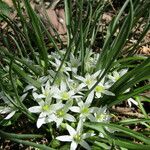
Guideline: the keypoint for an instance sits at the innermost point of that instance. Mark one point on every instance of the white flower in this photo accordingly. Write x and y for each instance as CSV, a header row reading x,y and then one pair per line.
x,y
46,110
101,88
74,85
47,90
84,108
101,114
63,93
89,80
64,68
74,63
76,137
90,61
117,75
62,114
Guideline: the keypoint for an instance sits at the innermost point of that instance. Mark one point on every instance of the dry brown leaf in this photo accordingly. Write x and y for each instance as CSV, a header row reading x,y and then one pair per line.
x,y
144,50
8,2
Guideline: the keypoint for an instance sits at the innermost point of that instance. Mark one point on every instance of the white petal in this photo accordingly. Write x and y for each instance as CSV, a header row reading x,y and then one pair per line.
x,y
73,145
41,120
47,86
80,126
91,117
80,78
108,93
64,138
28,87
23,96
71,130
111,78
71,93
75,109
123,71
95,75
51,118
38,96
85,145
87,135
5,110
98,95
35,109
70,118
63,86
90,98
58,122
82,85
10,115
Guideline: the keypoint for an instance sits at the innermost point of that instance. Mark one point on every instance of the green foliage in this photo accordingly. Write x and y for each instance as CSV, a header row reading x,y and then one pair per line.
x,y
30,69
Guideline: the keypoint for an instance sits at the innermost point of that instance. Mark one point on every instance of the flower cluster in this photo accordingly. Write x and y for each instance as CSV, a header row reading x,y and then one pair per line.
x,y
65,100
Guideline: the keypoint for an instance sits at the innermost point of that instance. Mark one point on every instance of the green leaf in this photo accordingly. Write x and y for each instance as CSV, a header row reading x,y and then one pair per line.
x,y
19,136
133,121
25,76
119,128
35,21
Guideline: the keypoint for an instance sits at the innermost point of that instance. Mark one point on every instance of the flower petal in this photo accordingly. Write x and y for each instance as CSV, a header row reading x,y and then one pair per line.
x,y
70,118
90,98
10,115
35,109
38,96
71,130
64,138
5,110
41,120
73,145
108,93
85,145
87,135
75,109
58,122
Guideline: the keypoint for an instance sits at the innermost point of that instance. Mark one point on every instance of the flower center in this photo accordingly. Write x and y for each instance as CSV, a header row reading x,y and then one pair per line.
x,y
101,117
45,108
65,95
85,110
77,137
60,113
99,88
88,81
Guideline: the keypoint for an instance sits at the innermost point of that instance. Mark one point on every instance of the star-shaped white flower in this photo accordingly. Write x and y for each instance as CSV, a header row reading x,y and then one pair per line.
x,y
74,63
117,75
47,90
76,137
63,93
64,68
101,114
84,108
46,110
75,85
62,114
101,88
89,80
